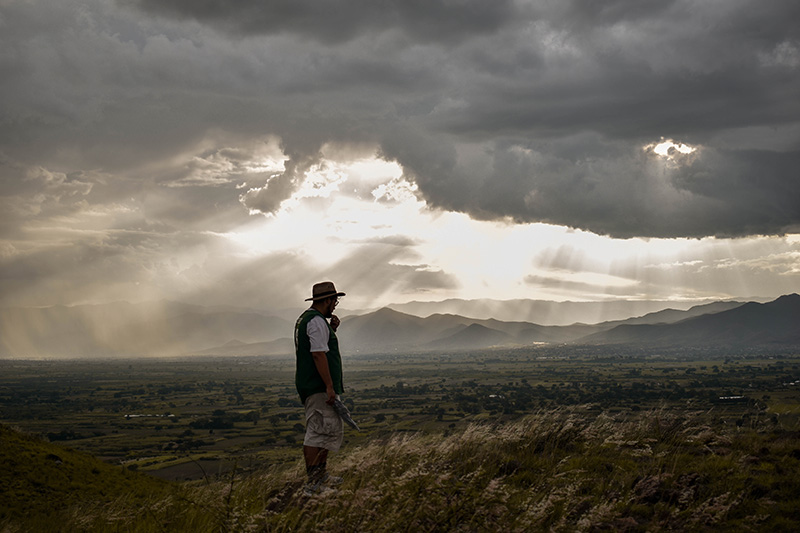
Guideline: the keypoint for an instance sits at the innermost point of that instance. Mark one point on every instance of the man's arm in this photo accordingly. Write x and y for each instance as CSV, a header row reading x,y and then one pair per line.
x,y
321,362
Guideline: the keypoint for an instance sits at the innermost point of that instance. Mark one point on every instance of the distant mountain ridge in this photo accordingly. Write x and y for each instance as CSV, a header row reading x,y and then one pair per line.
x,y
719,324
670,315
756,324
387,330
548,313
171,328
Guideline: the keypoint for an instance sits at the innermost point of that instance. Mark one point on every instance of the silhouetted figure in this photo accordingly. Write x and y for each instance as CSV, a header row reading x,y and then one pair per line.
x,y
318,378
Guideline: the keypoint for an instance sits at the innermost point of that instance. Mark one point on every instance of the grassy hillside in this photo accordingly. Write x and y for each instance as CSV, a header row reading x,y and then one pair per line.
x,y
42,485
558,470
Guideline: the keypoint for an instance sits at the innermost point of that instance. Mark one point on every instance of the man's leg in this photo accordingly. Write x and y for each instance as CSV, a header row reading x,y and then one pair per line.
x,y
315,458
324,433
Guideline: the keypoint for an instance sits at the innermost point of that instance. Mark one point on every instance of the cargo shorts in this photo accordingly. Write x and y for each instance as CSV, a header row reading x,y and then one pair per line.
x,y
323,426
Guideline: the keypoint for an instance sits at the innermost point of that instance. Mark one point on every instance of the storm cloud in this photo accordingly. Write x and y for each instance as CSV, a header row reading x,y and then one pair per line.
x,y
537,111
151,119
541,111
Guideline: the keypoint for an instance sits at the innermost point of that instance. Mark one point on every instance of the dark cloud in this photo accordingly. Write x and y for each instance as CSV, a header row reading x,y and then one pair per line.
x,y
340,20
535,112
559,100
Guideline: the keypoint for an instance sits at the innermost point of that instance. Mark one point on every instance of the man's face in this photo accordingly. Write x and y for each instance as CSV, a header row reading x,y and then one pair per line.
x,y
330,305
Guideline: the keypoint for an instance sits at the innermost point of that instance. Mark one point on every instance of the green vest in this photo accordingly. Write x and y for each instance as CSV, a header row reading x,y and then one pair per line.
x,y
306,377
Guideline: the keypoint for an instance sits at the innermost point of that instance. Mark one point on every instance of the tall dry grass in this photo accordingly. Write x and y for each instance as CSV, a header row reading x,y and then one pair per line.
x,y
557,470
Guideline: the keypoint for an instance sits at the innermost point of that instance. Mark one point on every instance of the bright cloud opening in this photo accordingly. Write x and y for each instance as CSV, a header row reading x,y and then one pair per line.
x,y
366,208
668,148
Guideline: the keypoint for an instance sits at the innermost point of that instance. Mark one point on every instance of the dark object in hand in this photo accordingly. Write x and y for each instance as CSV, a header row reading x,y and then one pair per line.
x,y
344,414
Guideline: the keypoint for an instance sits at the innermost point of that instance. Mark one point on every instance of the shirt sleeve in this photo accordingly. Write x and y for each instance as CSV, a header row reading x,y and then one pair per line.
x,y
318,334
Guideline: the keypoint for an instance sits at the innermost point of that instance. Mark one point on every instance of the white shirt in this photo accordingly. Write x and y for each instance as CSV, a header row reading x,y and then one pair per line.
x,y
318,334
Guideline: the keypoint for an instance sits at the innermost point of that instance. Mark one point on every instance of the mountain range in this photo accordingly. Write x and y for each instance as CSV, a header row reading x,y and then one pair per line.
x,y
171,329
719,324
751,324
548,313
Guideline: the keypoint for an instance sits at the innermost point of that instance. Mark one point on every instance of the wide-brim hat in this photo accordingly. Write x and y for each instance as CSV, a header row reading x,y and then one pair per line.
x,y
324,290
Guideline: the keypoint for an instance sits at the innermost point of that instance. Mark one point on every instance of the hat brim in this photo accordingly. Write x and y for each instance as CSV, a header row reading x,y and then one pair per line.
x,y
325,295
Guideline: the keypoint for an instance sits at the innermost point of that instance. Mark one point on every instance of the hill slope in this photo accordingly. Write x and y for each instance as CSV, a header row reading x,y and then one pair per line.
x,y
751,324
474,336
670,316
41,479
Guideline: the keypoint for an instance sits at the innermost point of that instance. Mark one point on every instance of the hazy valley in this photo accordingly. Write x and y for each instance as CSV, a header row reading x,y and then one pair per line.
x,y
174,329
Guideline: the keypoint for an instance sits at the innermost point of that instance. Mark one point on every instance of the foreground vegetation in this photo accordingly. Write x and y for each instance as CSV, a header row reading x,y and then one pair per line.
x,y
526,440
558,470
41,483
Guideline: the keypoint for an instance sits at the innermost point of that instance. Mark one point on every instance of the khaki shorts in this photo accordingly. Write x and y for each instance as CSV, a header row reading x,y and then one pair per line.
x,y
323,425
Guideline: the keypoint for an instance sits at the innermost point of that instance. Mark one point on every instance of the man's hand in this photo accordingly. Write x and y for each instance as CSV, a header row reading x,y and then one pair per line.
x,y
334,322
331,395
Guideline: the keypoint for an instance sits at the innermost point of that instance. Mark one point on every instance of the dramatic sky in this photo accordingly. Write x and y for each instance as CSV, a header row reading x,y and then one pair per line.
x,y
235,152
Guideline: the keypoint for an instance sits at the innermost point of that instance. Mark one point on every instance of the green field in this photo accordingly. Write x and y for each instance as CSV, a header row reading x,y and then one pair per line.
x,y
190,418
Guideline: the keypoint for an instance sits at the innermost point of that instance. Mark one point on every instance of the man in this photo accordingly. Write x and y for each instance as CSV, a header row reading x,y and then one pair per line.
x,y
318,378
